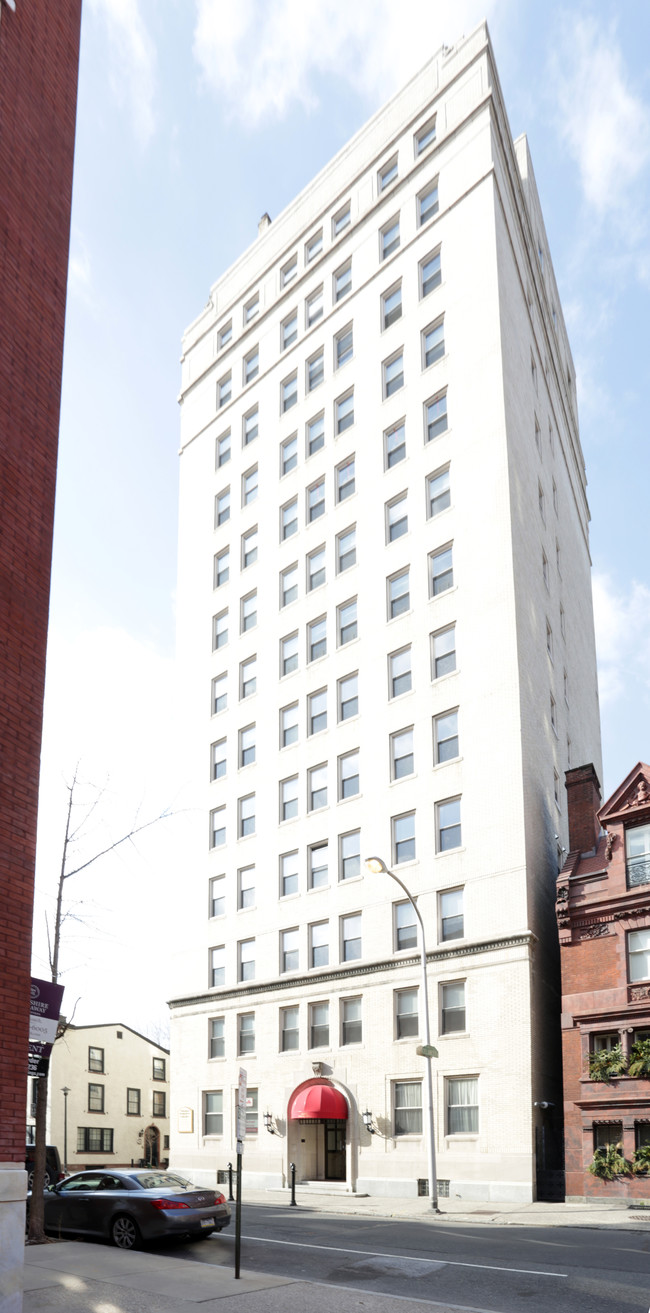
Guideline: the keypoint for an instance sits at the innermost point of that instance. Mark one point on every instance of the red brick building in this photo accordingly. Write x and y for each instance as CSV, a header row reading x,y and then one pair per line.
x,y
603,914
39,58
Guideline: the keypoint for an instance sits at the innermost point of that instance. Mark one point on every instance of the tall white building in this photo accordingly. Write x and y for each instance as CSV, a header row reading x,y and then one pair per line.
x,y
386,636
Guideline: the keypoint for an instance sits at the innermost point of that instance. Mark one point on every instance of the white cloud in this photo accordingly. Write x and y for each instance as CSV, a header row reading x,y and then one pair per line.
x,y
622,619
132,62
265,56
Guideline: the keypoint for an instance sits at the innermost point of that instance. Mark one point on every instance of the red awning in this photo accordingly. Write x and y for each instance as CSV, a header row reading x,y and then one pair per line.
x,y
319,1101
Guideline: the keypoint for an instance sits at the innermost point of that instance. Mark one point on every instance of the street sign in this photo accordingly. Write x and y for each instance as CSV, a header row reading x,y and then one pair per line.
x,y
44,1011
426,1051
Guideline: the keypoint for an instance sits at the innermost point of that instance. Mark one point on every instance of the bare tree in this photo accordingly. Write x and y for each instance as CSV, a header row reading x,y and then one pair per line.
x,y
72,834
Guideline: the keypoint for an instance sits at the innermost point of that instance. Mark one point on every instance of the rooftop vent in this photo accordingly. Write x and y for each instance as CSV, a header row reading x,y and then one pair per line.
x,y
264,223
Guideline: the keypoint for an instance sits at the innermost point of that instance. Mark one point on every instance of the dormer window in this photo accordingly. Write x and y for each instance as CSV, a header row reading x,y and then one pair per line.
x,y
637,855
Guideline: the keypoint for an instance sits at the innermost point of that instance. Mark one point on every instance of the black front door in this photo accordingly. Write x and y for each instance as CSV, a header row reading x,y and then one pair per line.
x,y
335,1151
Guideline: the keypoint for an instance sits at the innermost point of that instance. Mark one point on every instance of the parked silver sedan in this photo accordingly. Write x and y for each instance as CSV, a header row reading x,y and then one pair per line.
x,y
131,1207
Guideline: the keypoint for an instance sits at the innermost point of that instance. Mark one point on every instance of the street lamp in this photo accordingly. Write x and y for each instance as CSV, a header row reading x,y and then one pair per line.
x,y
378,867
65,1092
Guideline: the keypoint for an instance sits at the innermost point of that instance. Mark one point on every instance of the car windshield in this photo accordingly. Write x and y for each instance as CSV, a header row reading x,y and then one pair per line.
x,y
162,1181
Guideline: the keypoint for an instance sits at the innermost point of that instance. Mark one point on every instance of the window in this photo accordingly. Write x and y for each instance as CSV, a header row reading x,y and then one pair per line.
x,y
387,174
248,612
316,500
441,571
289,454
289,951
641,1134
95,1059
553,714
252,1114
403,838
289,584
95,1098
389,239
289,330
394,445
319,944
393,374
222,507
316,569
251,429
428,203
538,436
399,672
288,874
401,754
317,712
608,1134
248,677
344,412
249,486
133,1102
604,1043
314,307
318,865
289,798
541,502
351,937
317,639
452,921
533,371
341,219
217,966
351,1032
438,492
433,343
289,725
319,1025
289,519
430,273
346,549
288,271
406,927
223,450
288,393
247,746
343,347
348,775
443,652
159,1103
224,335
407,1022
435,416
222,568
637,854
251,308
407,1107
448,825
348,696
638,947
224,390
246,956
246,815
218,760
562,621
315,370
314,246
462,1106
219,630
94,1139
288,654
219,693
391,306
316,788
251,365
315,434
549,640
342,282
556,788
452,1008
397,520
213,1112
249,548
350,854
246,1035
445,737
425,136
218,827
346,621
398,594
288,1029
555,496
217,897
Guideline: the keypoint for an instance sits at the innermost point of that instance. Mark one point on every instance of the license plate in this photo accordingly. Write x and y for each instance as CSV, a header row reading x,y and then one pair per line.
x,y
207,1221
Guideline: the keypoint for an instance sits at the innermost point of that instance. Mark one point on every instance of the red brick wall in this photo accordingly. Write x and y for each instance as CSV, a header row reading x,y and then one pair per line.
x,y
583,801
39,56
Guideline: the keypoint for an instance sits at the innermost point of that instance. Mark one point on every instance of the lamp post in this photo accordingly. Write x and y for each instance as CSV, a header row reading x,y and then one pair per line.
x,y
65,1092
378,867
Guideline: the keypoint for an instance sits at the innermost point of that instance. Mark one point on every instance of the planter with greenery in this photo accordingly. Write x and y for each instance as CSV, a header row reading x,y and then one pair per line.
x,y
608,1162
639,1058
641,1161
607,1063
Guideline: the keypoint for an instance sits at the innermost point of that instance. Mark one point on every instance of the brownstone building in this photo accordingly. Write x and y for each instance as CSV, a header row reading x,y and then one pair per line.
x,y
603,913
39,57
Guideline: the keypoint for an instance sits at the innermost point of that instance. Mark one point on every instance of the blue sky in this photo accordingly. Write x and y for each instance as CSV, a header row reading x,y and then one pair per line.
x,y
195,117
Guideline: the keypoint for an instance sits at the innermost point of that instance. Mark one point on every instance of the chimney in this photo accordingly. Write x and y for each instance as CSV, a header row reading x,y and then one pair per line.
x,y
264,223
583,802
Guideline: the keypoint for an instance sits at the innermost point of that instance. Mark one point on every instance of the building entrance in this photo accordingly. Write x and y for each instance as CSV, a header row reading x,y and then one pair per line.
x,y
334,1151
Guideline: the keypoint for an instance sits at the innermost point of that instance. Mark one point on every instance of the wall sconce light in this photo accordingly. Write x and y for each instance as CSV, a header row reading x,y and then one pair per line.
x,y
268,1122
367,1121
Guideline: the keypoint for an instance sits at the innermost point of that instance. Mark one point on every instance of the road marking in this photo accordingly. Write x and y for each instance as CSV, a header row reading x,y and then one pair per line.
x,y
371,1253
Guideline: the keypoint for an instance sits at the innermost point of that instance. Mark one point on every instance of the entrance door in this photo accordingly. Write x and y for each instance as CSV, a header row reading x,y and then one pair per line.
x,y
335,1151
152,1146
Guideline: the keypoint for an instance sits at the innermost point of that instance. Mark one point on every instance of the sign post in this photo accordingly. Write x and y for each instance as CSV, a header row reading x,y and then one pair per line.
x,y
241,1135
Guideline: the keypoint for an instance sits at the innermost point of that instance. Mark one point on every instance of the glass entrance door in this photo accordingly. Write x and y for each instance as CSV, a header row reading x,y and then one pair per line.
x,y
335,1151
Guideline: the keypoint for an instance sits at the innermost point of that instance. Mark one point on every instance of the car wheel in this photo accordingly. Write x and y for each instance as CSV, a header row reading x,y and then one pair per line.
x,y
125,1233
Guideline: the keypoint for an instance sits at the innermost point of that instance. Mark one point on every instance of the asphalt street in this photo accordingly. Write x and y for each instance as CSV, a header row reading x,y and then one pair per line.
x,y
489,1269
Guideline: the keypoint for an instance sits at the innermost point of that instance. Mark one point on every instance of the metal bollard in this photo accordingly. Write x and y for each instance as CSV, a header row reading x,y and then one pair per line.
x,y
231,1196
292,1169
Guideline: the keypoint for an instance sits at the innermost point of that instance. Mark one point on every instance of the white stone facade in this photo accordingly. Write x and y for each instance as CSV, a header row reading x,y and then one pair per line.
x,y
495,616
